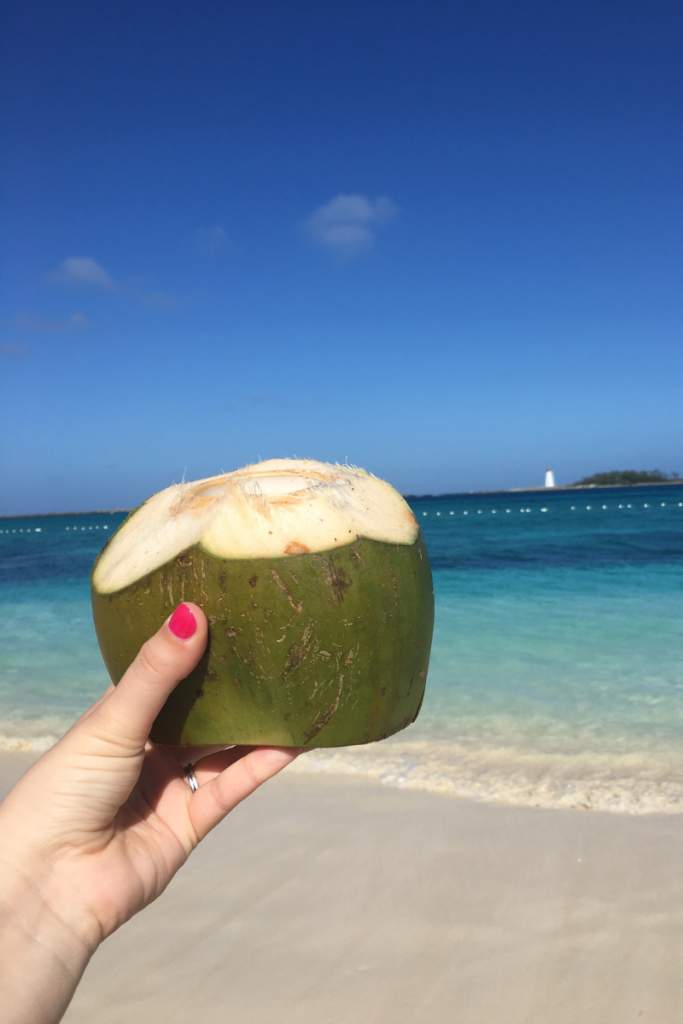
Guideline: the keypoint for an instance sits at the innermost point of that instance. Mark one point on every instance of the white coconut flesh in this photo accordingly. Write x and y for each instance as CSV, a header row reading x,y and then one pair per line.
x,y
269,510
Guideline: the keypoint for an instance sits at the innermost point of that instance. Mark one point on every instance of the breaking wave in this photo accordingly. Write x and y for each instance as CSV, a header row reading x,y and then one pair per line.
x,y
27,744
25,736
643,782
634,783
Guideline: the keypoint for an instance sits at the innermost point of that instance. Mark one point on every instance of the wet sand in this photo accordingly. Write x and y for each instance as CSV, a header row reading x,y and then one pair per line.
x,y
345,902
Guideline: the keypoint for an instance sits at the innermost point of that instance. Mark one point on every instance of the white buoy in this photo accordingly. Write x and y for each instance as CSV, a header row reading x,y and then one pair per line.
x,y
549,478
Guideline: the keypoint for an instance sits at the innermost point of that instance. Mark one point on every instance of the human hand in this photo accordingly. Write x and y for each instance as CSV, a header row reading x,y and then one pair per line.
x,y
99,825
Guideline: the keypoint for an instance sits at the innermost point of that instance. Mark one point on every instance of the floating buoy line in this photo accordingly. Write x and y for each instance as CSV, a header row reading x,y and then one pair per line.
x,y
465,512
39,529
573,508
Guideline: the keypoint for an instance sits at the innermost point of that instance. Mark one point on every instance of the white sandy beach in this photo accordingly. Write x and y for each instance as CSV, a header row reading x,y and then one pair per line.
x,y
344,901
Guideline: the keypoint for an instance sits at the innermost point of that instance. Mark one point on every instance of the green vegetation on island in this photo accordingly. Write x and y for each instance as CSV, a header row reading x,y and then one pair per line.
x,y
626,478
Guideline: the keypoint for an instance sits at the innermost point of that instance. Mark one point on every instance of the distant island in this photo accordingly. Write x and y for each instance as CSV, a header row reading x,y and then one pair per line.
x,y
615,478
626,478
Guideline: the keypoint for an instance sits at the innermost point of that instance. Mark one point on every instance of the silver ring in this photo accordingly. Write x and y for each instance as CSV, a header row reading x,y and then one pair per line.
x,y
191,777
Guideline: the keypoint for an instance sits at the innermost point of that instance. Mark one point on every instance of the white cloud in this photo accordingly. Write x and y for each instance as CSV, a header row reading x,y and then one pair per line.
x,y
346,224
35,324
8,350
212,240
158,299
82,271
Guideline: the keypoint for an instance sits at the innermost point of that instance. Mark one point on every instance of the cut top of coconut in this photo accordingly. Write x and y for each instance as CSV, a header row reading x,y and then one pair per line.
x,y
269,510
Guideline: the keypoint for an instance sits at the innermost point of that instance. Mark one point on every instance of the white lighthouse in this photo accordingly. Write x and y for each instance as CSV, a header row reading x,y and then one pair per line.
x,y
549,478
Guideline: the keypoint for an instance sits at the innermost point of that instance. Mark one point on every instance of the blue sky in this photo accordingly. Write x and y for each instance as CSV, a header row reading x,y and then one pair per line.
x,y
440,240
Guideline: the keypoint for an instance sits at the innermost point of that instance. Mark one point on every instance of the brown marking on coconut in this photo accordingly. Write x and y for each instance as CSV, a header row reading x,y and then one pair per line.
x,y
356,555
296,547
320,721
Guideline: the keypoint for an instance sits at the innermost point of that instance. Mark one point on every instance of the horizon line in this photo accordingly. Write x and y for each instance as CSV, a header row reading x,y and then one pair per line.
x,y
413,497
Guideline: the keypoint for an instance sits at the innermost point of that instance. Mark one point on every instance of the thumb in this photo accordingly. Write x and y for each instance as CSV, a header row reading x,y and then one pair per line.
x,y
129,711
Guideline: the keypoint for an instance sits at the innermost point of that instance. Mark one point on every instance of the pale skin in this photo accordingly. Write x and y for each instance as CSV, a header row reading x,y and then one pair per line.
x,y
100,824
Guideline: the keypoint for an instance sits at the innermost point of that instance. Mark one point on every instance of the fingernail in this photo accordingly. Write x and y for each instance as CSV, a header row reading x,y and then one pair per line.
x,y
182,623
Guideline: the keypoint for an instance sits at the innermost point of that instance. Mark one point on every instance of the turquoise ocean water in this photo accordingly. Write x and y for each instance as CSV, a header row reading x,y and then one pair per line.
x,y
557,668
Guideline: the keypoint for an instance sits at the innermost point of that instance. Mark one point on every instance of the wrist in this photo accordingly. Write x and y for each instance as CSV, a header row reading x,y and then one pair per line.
x,y
42,953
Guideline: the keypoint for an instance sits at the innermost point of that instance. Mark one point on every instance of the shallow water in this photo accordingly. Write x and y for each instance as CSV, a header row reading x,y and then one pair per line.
x,y
557,668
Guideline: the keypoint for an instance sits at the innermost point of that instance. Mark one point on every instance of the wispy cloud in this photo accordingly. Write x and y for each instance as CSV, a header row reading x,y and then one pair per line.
x,y
82,271
8,350
212,240
158,299
346,225
266,400
36,325
85,272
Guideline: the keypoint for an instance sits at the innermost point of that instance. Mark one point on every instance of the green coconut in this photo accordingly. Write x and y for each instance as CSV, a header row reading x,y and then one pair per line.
x,y
316,585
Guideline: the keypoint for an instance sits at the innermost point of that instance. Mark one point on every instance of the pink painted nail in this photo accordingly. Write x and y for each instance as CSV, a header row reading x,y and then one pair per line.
x,y
182,623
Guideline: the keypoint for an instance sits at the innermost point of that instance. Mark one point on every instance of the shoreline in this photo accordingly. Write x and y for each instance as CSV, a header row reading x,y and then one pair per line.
x,y
341,901
634,784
